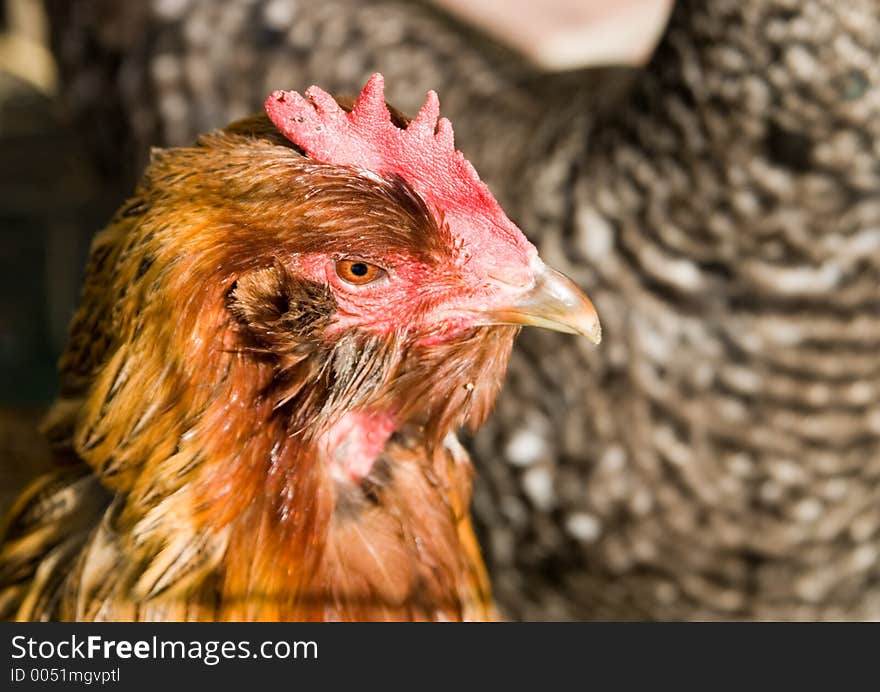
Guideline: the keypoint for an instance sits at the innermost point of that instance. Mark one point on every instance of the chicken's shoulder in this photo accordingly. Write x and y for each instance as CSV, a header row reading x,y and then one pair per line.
x,y
41,536
93,332
90,337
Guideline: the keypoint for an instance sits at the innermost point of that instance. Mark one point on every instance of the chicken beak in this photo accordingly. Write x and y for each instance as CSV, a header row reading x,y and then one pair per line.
x,y
554,302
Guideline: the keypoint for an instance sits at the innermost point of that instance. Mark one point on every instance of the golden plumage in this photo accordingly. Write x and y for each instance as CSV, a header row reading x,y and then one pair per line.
x,y
241,434
183,492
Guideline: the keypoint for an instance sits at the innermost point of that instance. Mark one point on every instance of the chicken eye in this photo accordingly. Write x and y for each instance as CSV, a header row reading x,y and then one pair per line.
x,y
357,272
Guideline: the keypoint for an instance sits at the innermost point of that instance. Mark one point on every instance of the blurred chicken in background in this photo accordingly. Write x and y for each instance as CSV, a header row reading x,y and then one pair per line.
x,y
718,457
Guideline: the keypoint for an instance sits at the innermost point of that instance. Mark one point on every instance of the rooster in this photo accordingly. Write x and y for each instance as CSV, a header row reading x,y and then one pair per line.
x,y
279,335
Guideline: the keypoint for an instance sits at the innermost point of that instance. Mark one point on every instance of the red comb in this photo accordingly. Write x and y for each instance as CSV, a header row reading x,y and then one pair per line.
x,y
423,154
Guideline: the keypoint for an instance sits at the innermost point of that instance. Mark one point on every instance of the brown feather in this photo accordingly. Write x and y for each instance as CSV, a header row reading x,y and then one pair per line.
x,y
196,384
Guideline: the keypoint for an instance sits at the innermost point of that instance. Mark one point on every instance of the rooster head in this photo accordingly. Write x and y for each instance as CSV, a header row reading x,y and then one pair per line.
x,y
456,262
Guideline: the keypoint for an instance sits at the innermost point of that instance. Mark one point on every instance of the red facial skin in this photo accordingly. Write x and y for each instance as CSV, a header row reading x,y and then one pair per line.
x,y
436,301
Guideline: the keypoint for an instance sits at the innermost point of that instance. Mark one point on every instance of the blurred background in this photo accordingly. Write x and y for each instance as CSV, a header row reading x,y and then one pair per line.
x,y
708,171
